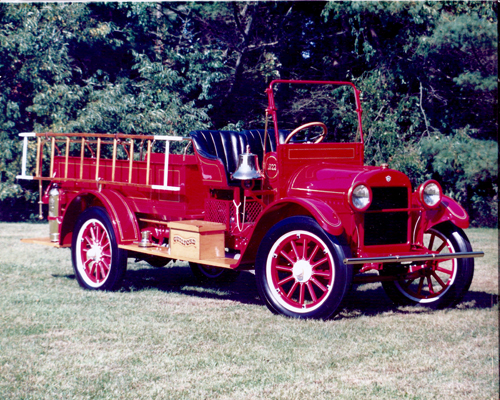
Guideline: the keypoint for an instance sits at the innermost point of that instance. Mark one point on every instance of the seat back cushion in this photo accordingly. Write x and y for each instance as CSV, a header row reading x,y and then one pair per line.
x,y
225,146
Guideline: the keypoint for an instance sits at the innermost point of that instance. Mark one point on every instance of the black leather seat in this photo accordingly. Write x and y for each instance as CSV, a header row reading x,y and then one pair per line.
x,y
255,139
225,146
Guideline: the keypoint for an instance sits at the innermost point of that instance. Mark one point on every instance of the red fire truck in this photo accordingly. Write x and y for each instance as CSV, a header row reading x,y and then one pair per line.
x,y
294,201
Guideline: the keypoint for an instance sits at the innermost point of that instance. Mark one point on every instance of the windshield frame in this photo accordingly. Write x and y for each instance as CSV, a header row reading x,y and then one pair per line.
x,y
272,110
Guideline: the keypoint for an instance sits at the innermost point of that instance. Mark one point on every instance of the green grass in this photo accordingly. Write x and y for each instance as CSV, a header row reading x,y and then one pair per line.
x,y
165,337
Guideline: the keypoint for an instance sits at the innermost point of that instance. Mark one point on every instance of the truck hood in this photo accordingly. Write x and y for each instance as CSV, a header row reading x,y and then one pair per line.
x,y
334,180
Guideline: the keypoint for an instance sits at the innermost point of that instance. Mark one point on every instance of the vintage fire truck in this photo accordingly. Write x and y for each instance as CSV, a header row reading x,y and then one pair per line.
x,y
294,201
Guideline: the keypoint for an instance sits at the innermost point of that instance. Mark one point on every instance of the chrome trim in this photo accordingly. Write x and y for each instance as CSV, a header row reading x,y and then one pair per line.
x,y
416,257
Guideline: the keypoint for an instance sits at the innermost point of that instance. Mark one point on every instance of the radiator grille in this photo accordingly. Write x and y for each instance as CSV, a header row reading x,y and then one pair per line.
x,y
387,227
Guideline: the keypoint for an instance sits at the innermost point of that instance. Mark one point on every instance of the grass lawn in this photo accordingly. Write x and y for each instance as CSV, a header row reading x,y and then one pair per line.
x,y
163,336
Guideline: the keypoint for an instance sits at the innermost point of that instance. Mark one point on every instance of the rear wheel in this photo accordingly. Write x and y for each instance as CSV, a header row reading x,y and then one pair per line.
x,y
300,270
438,283
97,261
206,273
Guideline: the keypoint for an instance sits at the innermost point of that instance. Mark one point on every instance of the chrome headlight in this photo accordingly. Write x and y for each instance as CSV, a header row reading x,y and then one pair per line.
x,y
360,197
430,194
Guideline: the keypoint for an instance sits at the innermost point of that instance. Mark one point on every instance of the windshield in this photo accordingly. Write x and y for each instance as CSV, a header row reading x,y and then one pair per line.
x,y
330,110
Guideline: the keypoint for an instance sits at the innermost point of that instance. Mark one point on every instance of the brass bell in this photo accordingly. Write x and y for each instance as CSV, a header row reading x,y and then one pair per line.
x,y
248,167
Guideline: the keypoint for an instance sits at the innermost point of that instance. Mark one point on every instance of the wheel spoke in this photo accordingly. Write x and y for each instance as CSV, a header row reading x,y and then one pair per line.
x,y
301,293
304,248
323,260
429,285
287,257
318,284
295,250
443,245
438,279
93,233
311,292
408,282
104,237
444,270
87,239
286,280
313,254
290,292
92,269
86,264
324,274
420,285
284,268
103,269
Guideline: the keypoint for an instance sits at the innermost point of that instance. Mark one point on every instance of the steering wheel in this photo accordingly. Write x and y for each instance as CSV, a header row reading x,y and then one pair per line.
x,y
319,138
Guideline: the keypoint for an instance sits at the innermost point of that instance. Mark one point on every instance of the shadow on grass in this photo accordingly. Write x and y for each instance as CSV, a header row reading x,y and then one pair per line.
x,y
368,300
374,301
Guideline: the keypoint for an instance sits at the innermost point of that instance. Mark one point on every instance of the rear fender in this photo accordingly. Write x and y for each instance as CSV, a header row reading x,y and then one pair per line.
x,y
326,217
122,217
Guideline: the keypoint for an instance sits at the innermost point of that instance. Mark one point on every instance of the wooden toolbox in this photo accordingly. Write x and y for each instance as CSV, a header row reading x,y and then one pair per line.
x,y
196,239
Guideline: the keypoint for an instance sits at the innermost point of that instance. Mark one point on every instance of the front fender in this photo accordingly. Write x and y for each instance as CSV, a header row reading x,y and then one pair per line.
x,y
326,216
449,210
122,217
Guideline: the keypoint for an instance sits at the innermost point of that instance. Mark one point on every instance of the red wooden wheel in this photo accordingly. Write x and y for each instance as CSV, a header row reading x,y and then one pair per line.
x,y
97,260
424,283
94,261
299,267
436,283
299,270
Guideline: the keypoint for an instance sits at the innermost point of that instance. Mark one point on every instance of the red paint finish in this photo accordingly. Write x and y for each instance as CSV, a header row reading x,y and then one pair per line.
x,y
300,179
313,176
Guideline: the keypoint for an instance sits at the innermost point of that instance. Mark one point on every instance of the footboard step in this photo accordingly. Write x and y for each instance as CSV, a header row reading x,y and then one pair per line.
x,y
159,251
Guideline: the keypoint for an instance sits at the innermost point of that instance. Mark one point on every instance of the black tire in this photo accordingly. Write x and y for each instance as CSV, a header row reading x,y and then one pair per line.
x,y
97,261
435,284
207,274
300,271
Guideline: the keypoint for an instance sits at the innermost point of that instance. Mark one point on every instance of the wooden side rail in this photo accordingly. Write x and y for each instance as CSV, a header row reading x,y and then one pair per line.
x,y
91,141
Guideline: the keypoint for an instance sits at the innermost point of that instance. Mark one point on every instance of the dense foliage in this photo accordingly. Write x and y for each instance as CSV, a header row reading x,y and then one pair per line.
x,y
427,70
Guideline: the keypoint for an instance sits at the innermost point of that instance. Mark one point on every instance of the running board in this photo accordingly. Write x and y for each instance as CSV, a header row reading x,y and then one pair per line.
x,y
409,259
45,241
158,251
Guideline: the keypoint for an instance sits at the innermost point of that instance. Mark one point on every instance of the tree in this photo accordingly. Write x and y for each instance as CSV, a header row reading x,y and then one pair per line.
x,y
427,71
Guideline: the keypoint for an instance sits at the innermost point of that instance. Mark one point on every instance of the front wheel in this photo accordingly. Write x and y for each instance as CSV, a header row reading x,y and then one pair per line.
x,y
436,284
97,261
300,270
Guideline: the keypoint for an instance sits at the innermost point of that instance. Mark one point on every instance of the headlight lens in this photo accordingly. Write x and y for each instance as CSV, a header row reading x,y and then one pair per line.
x,y
361,197
430,194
